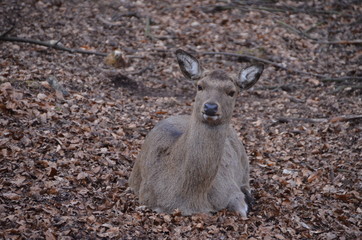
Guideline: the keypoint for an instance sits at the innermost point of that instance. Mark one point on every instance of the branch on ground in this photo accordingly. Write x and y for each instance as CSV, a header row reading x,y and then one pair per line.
x,y
307,120
268,6
341,79
347,87
55,45
345,83
343,118
8,31
305,35
278,65
137,72
119,23
58,46
264,61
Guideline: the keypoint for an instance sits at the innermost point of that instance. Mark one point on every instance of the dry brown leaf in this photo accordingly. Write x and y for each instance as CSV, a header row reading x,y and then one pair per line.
x,y
11,196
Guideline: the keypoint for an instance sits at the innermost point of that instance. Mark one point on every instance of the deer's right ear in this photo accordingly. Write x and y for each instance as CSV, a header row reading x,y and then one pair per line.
x,y
189,65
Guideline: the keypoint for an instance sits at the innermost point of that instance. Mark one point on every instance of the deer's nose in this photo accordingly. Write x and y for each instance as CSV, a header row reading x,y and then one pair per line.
x,y
210,109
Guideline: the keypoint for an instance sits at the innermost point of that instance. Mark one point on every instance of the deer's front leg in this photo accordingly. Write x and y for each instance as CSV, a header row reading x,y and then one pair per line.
x,y
238,203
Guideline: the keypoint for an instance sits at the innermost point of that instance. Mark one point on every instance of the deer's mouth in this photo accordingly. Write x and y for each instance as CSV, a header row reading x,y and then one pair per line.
x,y
210,118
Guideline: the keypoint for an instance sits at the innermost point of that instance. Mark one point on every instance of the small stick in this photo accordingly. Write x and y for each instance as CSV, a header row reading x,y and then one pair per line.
x,y
267,62
341,79
293,29
303,34
343,118
8,31
308,120
118,23
355,41
148,29
263,61
105,21
51,45
346,118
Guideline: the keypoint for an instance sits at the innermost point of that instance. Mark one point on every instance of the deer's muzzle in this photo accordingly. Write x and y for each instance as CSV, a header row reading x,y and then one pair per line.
x,y
210,111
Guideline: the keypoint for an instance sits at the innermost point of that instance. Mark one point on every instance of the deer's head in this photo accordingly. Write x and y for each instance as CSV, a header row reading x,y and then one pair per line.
x,y
216,90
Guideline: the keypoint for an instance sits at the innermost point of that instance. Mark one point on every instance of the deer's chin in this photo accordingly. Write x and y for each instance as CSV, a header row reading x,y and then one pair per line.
x,y
210,118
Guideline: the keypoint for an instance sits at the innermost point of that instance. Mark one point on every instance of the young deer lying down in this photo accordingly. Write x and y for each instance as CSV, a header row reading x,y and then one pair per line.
x,y
197,163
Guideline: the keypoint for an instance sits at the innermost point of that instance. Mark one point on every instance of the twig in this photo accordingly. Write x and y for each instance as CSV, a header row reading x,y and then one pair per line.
x,y
303,34
320,76
358,86
130,14
109,23
293,10
343,118
346,118
217,8
294,30
118,23
141,71
349,87
50,45
341,79
115,72
308,120
269,7
284,87
245,56
355,41
267,62
148,29
57,42
260,6
8,31
264,61
347,83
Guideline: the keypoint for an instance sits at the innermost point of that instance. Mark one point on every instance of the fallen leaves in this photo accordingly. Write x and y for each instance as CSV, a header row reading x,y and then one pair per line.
x,y
11,196
69,133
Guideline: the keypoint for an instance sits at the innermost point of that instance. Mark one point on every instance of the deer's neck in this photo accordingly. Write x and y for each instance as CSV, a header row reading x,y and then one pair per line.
x,y
203,149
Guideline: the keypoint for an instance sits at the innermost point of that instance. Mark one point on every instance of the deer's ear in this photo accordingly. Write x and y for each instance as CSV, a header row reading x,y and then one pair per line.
x,y
249,76
189,65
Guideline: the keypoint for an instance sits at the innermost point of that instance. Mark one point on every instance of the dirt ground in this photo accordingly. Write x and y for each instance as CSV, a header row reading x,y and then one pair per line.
x,y
67,150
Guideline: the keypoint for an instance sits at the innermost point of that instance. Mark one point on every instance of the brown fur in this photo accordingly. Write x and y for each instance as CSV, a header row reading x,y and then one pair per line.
x,y
195,164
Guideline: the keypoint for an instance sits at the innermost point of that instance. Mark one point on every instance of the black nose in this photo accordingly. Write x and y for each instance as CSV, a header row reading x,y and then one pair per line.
x,y
210,109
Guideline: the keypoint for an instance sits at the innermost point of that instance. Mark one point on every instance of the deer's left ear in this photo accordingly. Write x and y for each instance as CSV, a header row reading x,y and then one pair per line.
x,y
249,76
189,65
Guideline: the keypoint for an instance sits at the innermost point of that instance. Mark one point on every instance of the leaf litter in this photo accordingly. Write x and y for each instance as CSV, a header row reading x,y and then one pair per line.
x,y
65,158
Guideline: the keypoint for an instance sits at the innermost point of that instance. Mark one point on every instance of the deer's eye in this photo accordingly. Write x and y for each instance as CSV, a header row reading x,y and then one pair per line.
x,y
231,93
199,88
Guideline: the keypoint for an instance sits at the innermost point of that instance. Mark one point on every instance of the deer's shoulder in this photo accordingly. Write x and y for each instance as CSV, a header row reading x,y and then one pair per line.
x,y
173,126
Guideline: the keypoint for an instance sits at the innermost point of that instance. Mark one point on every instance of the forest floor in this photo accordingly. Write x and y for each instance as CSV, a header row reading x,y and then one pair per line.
x,y
66,154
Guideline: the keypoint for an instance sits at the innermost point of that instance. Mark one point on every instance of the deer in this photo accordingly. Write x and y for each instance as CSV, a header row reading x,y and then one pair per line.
x,y
198,164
